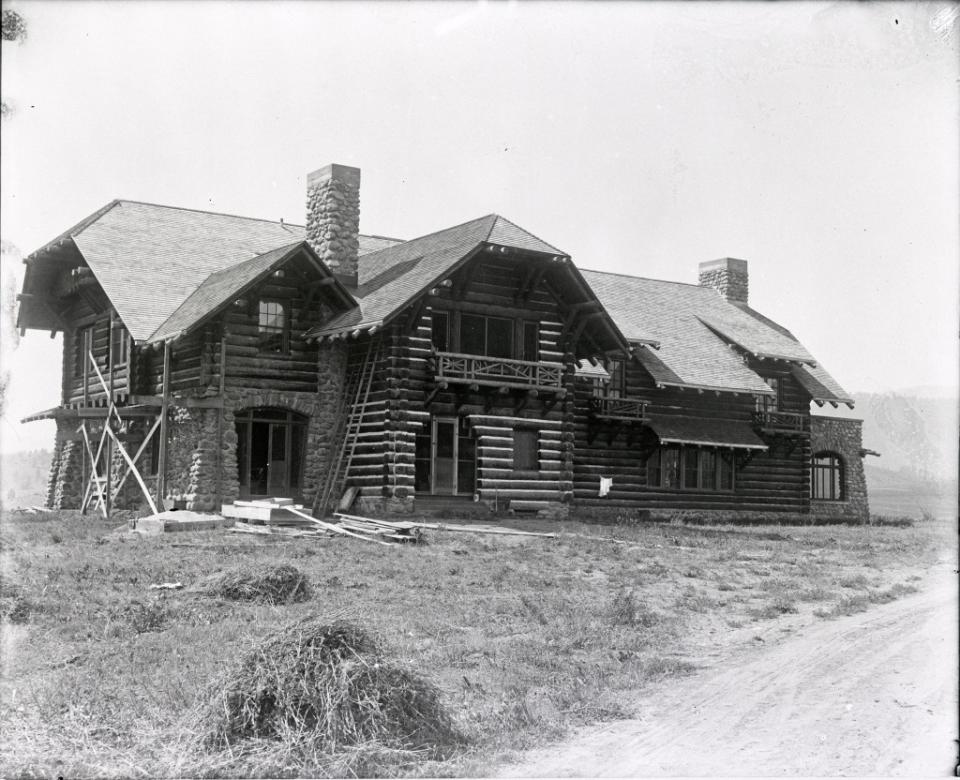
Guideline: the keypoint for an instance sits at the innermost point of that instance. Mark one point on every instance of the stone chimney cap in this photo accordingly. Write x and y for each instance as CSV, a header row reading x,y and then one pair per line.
x,y
344,173
724,264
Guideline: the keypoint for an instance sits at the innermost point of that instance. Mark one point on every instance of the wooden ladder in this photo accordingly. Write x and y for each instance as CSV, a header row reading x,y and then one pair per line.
x,y
352,409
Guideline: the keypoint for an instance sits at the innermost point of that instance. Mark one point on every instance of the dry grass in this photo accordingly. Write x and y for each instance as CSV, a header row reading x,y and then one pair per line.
x,y
315,686
283,584
518,638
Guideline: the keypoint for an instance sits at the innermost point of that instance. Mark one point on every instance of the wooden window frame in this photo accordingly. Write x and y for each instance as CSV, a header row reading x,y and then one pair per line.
x,y
836,468
263,329
687,455
119,338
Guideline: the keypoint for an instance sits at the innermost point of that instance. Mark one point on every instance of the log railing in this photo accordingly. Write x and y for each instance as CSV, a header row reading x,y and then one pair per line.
x,y
782,422
618,408
497,372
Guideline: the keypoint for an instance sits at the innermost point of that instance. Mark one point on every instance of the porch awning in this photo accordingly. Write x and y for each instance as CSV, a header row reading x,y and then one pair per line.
x,y
707,433
56,413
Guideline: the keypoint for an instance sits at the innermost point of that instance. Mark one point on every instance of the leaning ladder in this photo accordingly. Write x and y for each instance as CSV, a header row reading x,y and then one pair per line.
x,y
350,421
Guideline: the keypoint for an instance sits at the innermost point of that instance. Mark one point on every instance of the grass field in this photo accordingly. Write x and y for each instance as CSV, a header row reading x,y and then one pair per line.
x,y
525,637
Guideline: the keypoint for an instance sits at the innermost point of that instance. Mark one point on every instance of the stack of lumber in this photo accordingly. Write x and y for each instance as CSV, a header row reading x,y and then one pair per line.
x,y
398,531
268,511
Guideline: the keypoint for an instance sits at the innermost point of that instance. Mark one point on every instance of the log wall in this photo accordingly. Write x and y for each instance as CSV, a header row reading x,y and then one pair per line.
x,y
775,480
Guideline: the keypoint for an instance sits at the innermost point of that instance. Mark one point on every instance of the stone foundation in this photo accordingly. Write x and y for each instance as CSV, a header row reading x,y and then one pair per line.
x,y
843,436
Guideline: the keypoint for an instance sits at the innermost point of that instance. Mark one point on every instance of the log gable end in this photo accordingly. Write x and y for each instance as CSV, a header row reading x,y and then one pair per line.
x,y
483,363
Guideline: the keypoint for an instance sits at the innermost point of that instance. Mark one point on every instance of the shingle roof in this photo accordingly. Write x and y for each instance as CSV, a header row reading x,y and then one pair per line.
x,y
149,259
406,269
695,326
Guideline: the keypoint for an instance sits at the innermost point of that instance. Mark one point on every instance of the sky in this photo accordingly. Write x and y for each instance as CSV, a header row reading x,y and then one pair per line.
x,y
818,141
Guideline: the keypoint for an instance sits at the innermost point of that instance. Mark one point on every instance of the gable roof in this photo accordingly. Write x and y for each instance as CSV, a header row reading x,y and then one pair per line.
x,y
222,287
172,251
695,328
390,278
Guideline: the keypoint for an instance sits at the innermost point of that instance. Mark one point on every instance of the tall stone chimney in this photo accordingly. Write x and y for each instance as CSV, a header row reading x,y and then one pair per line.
x,y
728,276
333,219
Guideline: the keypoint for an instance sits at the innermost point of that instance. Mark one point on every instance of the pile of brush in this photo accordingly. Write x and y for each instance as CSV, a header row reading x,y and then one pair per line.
x,y
282,584
325,686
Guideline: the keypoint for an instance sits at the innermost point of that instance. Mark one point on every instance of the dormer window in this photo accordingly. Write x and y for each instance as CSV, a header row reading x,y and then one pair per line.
x,y
274,327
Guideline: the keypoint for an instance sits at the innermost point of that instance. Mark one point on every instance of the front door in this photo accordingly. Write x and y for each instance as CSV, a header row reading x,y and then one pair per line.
x,y
269,452
446,458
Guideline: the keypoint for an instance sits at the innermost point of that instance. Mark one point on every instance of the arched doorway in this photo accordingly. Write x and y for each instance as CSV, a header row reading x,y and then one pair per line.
x,y
270,444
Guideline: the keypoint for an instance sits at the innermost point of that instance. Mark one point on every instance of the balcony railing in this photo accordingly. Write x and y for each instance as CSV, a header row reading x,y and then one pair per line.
x,y
782,422
607,408
497,372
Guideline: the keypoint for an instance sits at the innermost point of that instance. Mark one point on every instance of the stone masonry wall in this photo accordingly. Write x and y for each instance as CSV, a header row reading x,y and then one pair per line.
x,y
333,217
65,481
844,437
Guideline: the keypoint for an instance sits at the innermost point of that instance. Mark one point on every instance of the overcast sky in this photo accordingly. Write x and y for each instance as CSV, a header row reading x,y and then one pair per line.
x,y
817,141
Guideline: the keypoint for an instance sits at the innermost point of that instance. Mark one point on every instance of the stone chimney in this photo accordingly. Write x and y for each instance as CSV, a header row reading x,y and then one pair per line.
x,y
333,219
728,276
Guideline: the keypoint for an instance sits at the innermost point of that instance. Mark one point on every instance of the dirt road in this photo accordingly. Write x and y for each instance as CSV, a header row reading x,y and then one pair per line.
x,y
870,694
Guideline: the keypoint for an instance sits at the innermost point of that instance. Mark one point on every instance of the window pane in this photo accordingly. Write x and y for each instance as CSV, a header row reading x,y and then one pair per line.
x,y
726,471
615,388
525,450
670,467
708,470
653,470
472,334
440,331
272,326
499,337
531,341
691,467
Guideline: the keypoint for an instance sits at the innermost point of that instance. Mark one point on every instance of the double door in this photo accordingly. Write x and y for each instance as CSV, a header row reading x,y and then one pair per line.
x,y
446,458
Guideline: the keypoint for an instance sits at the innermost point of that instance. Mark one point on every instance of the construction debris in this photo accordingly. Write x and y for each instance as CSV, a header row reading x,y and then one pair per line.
x,y
178,520
272,515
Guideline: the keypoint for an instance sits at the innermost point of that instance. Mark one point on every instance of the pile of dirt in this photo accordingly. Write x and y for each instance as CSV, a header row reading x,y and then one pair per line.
x,y
328,686
282,584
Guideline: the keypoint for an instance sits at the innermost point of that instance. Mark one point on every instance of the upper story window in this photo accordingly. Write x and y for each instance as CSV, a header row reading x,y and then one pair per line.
x,y
120,345
684,467
440,331
827,477
81,356
274,327
489,336
530,347
771,403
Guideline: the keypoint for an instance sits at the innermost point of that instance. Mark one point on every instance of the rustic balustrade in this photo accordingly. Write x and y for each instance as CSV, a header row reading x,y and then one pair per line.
x,y
498,372
782,422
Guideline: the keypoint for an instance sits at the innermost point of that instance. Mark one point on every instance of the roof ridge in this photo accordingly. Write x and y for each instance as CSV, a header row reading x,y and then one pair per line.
x,y
644,278
211,213
532,235
428,235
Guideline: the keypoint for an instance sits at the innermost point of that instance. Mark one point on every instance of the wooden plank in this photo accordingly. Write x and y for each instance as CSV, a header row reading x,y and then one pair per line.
x,y
335,528
134,469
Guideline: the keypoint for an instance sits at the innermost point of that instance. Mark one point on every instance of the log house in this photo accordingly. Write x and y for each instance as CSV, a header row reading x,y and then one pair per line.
x,y
474,365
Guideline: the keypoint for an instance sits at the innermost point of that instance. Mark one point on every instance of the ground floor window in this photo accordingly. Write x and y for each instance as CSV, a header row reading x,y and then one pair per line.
x,y
270,444
687,467
826,477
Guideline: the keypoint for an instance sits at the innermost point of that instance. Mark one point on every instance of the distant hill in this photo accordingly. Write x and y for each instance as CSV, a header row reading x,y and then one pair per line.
x,y
916,434
23,478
